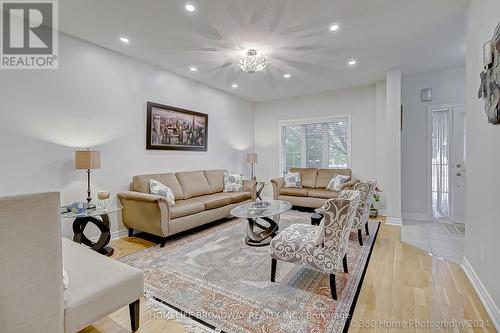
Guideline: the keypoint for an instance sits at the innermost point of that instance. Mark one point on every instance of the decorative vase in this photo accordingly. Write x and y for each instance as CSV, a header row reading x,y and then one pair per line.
x,y
103,197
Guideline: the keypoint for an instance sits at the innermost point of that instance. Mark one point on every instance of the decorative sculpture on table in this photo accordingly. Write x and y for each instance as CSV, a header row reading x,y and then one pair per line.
x,y
490,78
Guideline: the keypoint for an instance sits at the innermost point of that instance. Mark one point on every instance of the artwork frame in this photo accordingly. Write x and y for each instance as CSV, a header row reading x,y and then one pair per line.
x,y
173,128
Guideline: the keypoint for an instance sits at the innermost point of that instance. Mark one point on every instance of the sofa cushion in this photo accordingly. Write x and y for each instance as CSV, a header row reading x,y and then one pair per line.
x,y
308,176
215,180
141,183
296,192
324,176
212,201
237,197
194,183
324,194
186,207
99,285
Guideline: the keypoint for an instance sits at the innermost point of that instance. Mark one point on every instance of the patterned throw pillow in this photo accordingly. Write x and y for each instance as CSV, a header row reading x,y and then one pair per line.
x,y
157,188
65,280
336,182
233,182
292,179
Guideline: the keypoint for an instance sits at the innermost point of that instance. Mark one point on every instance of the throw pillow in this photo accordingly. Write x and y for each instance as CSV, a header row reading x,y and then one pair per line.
x,y
233,182
336,182
292,179
65,279
157,188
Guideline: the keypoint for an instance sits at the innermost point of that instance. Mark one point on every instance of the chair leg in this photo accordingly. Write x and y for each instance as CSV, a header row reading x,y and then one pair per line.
x,y
135,311
274,262
333,287
344,261
163,242
130,232
360,238
366,228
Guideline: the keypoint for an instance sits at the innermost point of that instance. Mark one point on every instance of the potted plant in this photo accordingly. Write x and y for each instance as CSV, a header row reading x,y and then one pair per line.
x,y
376,198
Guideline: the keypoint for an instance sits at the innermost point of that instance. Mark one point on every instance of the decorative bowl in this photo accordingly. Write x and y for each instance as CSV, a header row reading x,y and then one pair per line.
x,y
78,207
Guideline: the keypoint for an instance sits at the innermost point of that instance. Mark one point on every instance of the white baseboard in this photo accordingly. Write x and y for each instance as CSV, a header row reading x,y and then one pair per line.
x,y
114,235
394,221
488,303
415,216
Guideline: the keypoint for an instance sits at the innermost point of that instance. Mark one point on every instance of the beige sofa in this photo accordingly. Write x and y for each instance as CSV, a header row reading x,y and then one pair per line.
x,y
199,199
313,193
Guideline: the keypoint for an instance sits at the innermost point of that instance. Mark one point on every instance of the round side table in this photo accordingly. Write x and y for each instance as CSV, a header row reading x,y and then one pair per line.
x,y
98,217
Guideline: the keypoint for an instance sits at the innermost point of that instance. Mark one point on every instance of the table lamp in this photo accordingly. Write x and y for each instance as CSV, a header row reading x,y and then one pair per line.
x,y
88,159
252,159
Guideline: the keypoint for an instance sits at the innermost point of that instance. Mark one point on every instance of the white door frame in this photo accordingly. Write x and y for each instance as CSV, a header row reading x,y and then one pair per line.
x,y
450,107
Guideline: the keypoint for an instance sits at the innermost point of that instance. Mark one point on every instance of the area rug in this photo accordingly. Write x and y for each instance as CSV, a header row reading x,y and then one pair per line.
x,y
213,282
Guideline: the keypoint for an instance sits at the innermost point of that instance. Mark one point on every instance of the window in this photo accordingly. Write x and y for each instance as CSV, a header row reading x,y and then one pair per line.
x,y
322,143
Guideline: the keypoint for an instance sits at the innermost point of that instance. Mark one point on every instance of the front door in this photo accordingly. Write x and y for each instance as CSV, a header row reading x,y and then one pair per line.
x,y
447,163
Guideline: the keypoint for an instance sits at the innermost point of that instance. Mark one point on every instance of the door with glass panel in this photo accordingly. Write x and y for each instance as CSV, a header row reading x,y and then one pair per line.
x,y
447,163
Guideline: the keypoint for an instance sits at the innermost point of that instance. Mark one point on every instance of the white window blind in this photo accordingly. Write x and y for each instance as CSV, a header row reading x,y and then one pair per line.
x,y
315,144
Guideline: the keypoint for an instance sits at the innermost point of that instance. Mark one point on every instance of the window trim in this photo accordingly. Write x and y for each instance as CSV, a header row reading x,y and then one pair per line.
x,y
314,120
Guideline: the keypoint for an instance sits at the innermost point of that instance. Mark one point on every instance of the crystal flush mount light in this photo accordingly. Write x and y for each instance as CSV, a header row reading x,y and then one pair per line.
x,y
252,63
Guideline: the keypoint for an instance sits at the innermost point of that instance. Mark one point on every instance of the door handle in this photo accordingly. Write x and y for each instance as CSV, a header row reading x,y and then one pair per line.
x,y
459,165
459,174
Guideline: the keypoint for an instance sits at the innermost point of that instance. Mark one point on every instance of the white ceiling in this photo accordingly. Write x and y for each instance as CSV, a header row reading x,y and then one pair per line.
x,y
414,35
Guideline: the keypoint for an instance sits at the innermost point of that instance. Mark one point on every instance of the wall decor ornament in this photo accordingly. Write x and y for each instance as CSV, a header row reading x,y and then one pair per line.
x,y
171,128
490,78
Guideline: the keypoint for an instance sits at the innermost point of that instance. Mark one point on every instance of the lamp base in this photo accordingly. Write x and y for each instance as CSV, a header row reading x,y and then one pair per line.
x,y
91,206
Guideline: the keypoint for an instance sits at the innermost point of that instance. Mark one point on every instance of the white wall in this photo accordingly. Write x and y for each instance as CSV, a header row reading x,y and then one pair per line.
x,y
97,98
483,159
448,87
359,102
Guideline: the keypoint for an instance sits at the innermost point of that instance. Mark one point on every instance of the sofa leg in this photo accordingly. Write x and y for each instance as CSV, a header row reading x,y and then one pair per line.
x,y
163,242
333,287
130,232
344,261
274,262
360,237
366,228
135,311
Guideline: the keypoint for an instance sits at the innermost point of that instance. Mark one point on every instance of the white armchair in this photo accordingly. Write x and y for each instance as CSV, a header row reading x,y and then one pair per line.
x,y
32,298
322,248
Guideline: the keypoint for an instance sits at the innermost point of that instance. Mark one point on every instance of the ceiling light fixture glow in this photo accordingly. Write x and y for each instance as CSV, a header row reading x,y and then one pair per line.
x,y
193,69
287,76
190,8
352,62
124,40
334,27
252,63
234,85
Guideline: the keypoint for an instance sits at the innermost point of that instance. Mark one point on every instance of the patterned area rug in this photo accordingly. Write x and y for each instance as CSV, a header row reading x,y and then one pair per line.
x,y
212,281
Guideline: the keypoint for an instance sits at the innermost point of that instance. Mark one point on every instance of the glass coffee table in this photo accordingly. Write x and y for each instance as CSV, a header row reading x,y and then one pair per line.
x,y
259,234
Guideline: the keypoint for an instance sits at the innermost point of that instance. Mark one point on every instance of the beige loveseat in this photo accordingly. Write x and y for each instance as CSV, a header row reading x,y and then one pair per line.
x,y
199,199
313,193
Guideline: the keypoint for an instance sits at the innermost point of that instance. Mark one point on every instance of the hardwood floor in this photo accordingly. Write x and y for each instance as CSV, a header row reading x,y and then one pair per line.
x,y
403,285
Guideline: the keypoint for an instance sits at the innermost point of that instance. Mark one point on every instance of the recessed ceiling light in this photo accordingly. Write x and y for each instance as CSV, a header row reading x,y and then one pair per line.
x,y
124,40
352,62
193,69
190,8
287,76
234,85
334,27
